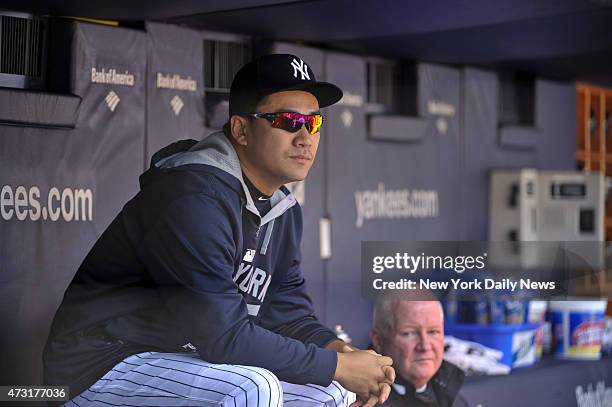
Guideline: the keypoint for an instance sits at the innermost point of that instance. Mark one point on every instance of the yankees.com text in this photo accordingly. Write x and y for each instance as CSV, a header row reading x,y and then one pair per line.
x,y
67,204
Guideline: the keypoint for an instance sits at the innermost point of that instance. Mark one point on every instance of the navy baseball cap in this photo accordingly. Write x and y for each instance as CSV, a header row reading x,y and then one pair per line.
x,y
273,73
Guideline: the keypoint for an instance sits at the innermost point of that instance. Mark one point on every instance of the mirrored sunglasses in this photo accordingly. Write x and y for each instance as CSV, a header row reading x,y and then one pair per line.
x,y
292,122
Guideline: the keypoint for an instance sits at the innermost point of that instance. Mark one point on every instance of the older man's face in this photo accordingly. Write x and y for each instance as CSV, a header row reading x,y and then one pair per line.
x,y
416,342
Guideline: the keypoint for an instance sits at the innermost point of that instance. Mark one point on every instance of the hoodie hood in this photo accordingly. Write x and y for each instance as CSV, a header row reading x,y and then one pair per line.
x,y
217,151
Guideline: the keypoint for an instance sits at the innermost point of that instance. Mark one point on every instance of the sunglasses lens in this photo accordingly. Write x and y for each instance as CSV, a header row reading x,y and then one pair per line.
x,y
284,123
292,122
315,123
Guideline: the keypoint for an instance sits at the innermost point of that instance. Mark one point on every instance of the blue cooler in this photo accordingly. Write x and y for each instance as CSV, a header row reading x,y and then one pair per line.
x,y
517,342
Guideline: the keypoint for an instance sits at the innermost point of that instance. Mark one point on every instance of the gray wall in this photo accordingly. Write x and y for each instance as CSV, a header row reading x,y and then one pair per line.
x,y
103,154
555,148
357,164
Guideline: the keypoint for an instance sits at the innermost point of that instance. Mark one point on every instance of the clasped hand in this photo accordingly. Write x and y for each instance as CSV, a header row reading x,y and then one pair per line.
x,y
365,373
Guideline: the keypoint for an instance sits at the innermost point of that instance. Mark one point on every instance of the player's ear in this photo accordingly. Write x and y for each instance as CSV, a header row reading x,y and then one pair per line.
x,y
376,340
238,129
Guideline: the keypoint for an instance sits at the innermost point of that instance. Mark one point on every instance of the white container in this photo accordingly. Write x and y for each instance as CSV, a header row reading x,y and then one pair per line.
x,y
578,327
537,311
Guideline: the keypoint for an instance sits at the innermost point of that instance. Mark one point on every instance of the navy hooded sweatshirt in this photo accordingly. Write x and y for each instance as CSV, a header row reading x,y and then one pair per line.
x,y
189,264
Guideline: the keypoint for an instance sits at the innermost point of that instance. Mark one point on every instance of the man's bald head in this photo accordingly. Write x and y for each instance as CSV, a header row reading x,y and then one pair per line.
x,y
384,308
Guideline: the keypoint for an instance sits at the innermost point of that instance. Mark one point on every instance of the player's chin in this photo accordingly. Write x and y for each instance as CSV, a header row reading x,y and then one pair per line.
x,y
297,174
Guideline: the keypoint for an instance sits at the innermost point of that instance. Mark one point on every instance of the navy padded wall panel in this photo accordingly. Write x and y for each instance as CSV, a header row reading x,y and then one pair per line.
x,y
61,188
175,86
109,74
362,173
41,243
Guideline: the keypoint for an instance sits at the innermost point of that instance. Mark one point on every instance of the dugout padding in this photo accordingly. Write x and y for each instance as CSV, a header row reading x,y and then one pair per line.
x,y
66,185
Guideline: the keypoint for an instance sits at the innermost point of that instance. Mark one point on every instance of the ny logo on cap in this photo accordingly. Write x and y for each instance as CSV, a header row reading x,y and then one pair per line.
x,y
300,66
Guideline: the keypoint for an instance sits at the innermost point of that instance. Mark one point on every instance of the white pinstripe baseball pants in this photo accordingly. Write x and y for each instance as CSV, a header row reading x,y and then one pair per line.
x,y
182,379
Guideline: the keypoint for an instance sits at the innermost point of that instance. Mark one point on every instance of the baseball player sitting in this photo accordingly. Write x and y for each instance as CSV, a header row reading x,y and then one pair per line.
x,y
411,331
194,295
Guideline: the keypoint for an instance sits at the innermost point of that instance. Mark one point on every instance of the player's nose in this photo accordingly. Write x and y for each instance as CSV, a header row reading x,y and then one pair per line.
x,y
303,138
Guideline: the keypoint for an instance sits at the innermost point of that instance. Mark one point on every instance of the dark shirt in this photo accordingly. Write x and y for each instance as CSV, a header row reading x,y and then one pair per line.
x,y
440,392
261,200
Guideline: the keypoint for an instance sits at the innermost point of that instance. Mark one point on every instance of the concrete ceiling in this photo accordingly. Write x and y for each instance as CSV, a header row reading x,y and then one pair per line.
x,y
566,39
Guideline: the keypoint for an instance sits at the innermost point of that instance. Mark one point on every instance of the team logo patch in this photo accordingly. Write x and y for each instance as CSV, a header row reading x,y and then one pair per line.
x,y
249,255
190,347
301,67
